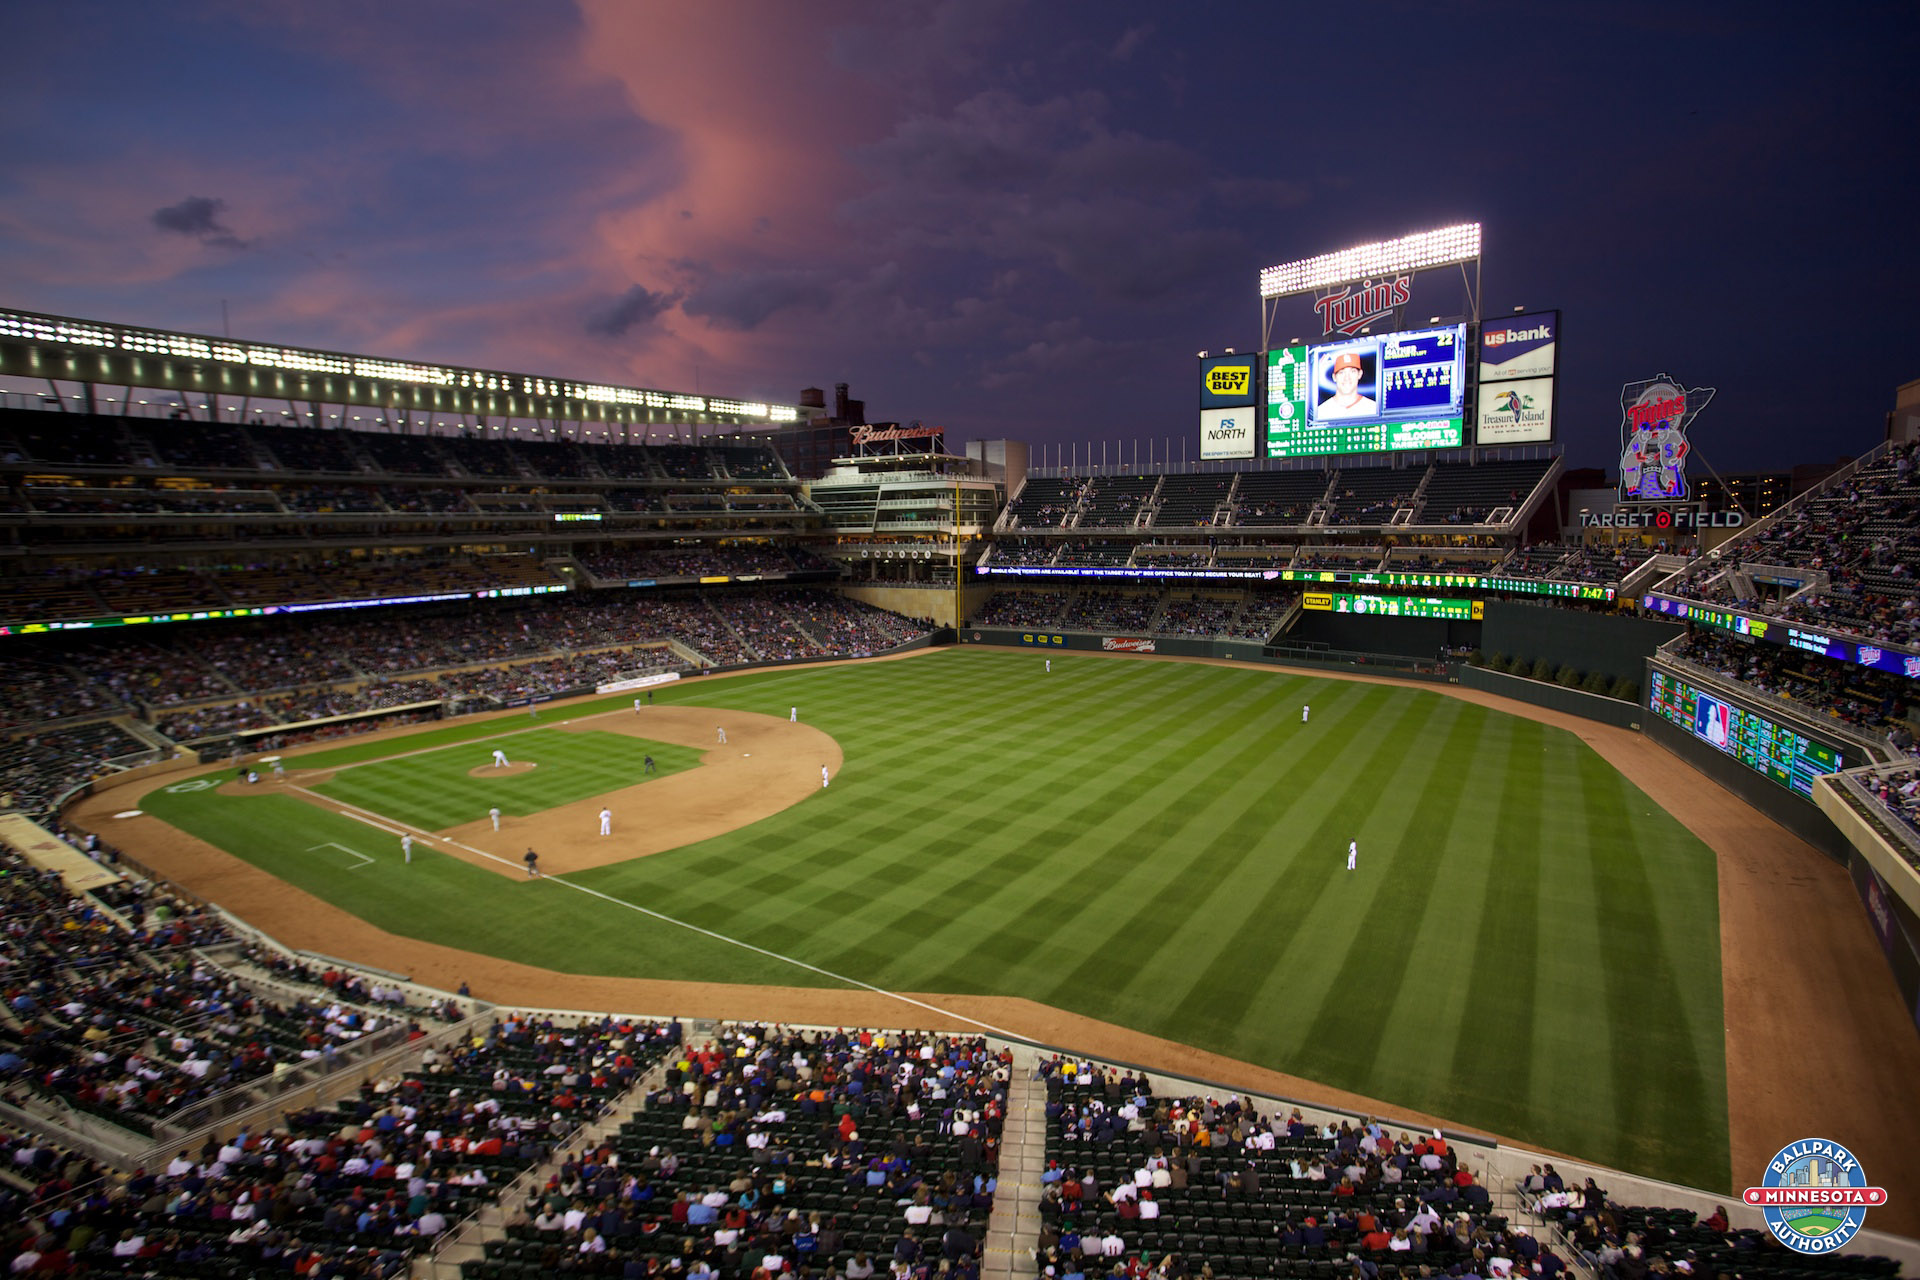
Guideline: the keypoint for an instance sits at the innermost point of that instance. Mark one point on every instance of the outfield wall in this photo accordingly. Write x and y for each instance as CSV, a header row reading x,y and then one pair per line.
x,y
1385,664
1588,640
1802,817
1574,702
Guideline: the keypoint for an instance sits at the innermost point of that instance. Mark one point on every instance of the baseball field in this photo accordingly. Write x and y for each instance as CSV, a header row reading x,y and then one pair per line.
x,y
1527,945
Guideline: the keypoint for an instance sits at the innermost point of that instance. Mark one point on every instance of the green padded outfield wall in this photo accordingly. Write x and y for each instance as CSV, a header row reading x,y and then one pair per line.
x,y
1614,644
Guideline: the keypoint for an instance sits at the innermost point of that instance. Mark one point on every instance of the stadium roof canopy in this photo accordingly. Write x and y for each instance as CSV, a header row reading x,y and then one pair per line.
x,y
60,348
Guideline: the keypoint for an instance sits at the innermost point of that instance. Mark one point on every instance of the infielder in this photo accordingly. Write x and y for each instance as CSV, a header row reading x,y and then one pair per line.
x,y
499,758
406,847
1303,714
637,704
824,777
793,716
723,735
649,764
279,771
606,822
494,813
1353,853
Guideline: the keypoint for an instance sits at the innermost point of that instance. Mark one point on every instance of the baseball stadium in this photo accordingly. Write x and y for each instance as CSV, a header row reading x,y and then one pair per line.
x,y
462,822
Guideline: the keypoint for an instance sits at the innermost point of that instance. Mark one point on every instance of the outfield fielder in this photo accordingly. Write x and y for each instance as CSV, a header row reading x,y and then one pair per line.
x,y
606,822
1303,713
1353,853
499,758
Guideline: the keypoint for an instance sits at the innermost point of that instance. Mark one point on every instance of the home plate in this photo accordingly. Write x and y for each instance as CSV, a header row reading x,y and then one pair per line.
x,y
746,755
128,813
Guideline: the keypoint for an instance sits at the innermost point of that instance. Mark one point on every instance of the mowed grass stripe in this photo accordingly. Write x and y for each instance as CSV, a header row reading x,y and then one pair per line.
x,y
1253,924
1495,1061
1219,851
1157,863
1401,884
1666,1076
1082,803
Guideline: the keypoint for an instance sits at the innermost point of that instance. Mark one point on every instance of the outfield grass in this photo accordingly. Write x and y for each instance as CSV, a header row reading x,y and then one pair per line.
x,y
437,788
1528,945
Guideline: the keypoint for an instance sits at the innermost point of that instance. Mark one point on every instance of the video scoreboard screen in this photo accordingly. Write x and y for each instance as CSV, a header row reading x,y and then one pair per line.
x,y
1377,394
1783,754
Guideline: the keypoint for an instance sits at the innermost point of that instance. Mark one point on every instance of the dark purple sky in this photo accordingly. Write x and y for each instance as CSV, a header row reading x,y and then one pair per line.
x,y
1011,219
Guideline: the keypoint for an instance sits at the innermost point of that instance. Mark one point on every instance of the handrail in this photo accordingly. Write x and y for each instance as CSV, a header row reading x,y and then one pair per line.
x,y
1876,745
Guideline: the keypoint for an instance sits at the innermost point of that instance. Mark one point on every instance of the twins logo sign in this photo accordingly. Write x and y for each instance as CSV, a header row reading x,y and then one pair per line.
x,y
1655,415
1814,1196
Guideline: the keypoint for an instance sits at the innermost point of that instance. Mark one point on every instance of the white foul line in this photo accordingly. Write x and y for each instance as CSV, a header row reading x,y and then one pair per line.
x,y
987,1027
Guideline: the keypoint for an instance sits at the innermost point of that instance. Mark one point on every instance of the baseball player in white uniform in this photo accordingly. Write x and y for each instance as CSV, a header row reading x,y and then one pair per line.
x,y
606,822
793,716
499,758
722,735
494,813
1304,711
825,777
1353,853
406,848
637,704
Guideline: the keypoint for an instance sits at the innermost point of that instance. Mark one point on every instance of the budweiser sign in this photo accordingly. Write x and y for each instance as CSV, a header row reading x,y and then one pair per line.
x,y
1347,310
1125,644
880,435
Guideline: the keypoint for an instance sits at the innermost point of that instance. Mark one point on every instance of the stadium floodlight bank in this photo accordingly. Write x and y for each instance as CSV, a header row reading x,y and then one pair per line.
x,y
1416,252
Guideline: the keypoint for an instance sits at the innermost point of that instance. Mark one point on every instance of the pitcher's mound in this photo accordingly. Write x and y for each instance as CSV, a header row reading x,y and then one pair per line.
x,y
495,771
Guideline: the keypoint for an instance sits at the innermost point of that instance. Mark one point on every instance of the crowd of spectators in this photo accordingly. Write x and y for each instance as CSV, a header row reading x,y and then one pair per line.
x,y
36,768
1196,616
1177,612
1874,701
1137,1185
1899,792
353,1191
1864,534
803,1153
704,560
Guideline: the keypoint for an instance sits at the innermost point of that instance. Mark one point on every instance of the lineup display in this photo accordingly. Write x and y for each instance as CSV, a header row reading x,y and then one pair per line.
x,y
1788,757
1457,581
1287,396
1392,606
1376,394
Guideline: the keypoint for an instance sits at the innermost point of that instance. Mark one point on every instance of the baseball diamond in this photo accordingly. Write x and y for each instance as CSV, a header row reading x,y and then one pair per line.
x,y
1148,844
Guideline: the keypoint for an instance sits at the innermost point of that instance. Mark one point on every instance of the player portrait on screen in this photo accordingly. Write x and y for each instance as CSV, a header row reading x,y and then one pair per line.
x,y
1348,372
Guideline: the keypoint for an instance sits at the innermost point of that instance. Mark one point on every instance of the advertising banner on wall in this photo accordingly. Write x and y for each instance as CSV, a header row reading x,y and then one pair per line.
x,y
1519,412
1519,347
1227,381
1226,433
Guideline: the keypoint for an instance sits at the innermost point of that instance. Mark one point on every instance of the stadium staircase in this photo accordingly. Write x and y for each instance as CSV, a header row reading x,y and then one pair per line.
x,y
466,1241
1014,1227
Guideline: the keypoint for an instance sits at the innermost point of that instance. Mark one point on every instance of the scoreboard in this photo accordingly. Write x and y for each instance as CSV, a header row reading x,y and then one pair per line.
x,y
1399,391
1779,752
1392,606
